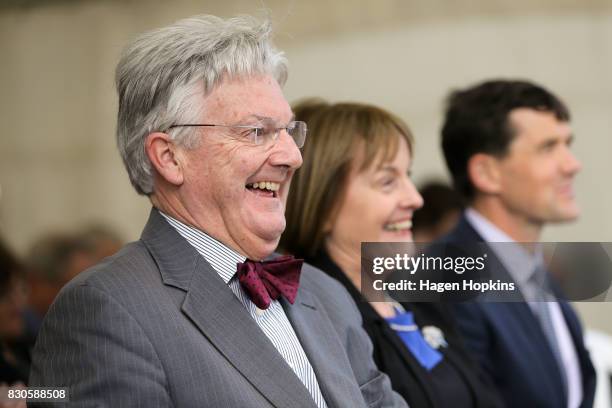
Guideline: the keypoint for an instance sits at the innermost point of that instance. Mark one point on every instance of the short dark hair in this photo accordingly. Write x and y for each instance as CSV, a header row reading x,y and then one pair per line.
x,y
439,200
476,121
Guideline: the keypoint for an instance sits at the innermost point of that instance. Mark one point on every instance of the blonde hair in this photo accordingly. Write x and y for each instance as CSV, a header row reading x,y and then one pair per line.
x,y
335,133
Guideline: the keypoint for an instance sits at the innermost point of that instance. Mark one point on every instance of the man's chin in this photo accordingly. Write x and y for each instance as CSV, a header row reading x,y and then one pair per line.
x,y
262,248
567,215
265,239
269,225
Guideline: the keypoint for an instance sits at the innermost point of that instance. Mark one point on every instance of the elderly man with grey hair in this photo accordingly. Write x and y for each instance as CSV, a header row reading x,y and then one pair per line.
x,y
197,313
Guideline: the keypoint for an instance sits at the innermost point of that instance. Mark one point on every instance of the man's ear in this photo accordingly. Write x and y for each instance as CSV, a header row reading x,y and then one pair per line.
x,y
162,153
484,172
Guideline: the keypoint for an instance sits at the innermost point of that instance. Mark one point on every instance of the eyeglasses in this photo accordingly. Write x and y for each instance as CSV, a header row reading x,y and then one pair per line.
x,y
262,135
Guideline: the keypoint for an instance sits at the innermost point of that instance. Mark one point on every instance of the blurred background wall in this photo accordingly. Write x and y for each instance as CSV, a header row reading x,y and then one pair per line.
x,y
58,163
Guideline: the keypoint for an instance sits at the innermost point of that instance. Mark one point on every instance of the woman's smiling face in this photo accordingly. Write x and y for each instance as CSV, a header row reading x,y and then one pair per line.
x,y
378,202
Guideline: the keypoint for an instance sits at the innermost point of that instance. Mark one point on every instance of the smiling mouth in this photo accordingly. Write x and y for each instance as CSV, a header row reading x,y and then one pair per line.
x,y
398,226
567,189
264,188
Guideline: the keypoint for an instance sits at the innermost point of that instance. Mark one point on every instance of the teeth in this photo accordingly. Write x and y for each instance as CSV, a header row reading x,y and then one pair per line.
x,y
265,185
397,226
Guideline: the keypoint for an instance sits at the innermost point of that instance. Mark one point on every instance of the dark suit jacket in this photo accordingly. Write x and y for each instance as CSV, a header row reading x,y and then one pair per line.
x,y
507,340
155,326
420,388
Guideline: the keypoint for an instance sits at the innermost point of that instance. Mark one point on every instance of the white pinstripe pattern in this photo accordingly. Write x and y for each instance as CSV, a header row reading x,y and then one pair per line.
x,y
273,321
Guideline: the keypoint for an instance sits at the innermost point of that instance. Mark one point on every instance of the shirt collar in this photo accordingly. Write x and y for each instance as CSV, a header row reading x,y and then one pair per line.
x,y
222,258
520,263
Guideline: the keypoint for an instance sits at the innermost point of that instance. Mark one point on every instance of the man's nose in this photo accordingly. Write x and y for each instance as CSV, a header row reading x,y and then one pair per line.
x,y
286,152
571,165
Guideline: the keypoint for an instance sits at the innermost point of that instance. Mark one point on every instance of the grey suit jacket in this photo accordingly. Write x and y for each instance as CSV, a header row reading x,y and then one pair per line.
x,y
155,326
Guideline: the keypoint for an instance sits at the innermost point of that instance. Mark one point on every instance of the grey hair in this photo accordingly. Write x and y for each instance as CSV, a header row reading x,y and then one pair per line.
x,y
164,75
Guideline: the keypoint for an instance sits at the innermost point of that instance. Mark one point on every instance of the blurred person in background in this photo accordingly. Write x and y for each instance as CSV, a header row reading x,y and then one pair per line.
x,y
14,346
355,186
100,240
507,145
52,261
442,208
55,258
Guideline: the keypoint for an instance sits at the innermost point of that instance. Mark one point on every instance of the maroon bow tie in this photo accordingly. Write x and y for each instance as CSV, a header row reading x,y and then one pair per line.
x,y
264,281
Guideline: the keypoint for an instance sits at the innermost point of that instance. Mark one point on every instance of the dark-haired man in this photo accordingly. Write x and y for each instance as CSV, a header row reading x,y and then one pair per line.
x,y
507,146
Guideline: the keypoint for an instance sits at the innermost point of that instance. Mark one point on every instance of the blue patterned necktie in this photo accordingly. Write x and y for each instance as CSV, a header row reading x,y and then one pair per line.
x,y
403,324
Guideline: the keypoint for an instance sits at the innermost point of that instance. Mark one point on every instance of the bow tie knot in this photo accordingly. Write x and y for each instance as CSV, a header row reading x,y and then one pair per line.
x,y
268,280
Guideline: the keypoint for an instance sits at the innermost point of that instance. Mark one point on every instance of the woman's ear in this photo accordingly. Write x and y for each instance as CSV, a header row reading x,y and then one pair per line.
x,y
484,173
162,153
328,225
332,215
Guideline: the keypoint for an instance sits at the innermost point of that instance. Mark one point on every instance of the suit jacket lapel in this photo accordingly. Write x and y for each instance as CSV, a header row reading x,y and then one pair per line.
x,y
520,324
587,369
211,305
320,342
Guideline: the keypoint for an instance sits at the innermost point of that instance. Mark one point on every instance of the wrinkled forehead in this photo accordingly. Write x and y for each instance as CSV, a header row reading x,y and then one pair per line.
x,y
249,98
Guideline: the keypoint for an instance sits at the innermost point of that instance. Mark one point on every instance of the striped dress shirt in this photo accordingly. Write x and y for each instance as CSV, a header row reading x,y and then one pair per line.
x,y
272,321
